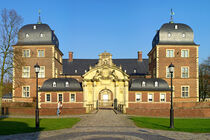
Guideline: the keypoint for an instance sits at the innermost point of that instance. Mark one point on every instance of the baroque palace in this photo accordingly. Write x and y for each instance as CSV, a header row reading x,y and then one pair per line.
x,y
86,84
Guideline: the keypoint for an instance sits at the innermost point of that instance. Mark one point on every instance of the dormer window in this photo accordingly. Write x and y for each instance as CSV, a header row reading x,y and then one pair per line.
x,y
67,84
54,84
176,27
156,84
34,27
27,35
41,35
169,35
143,84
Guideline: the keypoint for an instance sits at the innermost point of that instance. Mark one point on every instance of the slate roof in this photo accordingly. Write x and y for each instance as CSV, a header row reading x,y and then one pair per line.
x,y
82,65
176,31
74,85
136,84
49,37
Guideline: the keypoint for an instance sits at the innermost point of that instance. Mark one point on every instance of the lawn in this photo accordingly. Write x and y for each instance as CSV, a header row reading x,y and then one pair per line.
x,y
25,125
185,125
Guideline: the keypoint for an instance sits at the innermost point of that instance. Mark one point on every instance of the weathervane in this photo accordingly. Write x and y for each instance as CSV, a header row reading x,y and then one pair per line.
x,y
172,13
39,21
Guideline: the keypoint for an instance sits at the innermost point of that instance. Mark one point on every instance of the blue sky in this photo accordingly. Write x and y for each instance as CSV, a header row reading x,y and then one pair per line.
x,y
121,27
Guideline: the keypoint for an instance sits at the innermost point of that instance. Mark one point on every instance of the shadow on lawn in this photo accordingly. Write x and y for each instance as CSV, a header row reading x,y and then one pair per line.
x,y
16,127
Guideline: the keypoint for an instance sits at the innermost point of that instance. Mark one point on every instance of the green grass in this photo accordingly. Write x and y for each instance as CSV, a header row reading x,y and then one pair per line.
x,y
25,125
185,125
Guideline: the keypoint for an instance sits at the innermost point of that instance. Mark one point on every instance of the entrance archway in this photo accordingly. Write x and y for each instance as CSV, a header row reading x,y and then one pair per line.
x,y
105,98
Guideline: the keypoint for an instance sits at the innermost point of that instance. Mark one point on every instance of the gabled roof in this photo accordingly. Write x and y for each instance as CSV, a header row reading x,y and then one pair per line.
x,y
80,66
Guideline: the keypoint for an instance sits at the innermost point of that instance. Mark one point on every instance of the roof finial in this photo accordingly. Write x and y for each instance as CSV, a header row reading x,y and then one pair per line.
x,y
172,13
39,21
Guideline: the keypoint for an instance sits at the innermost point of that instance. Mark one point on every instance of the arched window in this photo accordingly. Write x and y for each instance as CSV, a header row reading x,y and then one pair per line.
x,y
67,84
41,35
169,35
156,84
54,84
27,35
134,70
143,84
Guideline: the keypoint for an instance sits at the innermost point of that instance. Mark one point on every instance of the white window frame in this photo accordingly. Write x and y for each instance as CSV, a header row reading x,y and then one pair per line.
x,y
183,55
24,73
184,73
169,35
169,54
54,84
27,86
188,91
27,35
164,98
143,84
41,73
156,84
74,97
152,97
38,54
66,83
58,97
42,35
46,97
167,71
140,97
24,51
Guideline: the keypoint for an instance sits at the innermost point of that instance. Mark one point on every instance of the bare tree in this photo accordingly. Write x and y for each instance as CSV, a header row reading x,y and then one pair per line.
x,y
204,82
10,23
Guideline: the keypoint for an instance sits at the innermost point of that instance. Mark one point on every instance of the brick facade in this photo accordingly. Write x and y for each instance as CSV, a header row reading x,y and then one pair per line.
x,y
160,62
48,61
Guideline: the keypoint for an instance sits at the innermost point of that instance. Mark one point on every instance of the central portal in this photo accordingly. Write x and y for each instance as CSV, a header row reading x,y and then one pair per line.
x,y
105,99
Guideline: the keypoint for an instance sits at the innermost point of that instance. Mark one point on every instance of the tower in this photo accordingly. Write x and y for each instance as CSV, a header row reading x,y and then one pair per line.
x,y
174,43
37,43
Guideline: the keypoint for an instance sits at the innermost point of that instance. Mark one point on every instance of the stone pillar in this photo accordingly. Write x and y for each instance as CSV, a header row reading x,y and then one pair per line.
x,y
125,96
94,101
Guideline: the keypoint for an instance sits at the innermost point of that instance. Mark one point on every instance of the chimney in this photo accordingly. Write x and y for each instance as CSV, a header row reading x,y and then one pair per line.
x,y
70,56
140,56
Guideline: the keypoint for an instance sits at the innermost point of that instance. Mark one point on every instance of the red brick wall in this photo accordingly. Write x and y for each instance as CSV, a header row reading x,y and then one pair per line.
x,y
156,95
31,61
190,109
179,62
43,111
